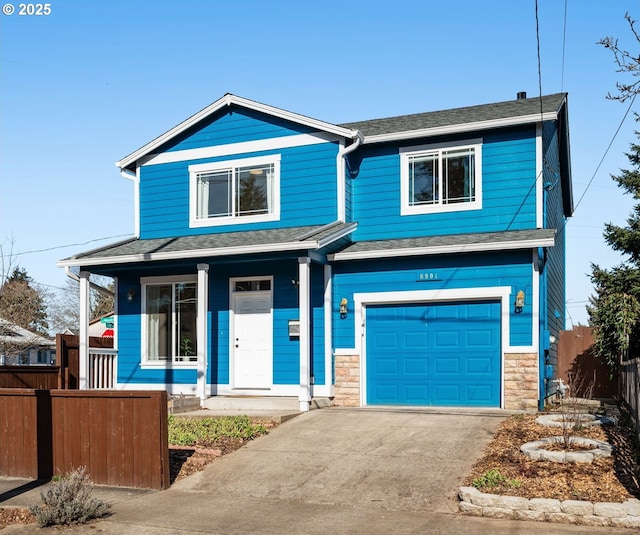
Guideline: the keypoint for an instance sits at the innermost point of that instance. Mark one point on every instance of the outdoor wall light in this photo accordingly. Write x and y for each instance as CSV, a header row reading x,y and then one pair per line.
x,y
519,301
131,295
343,308
552,339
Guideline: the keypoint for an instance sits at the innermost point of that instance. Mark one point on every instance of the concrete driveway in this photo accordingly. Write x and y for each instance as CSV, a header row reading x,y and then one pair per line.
x,y
388,459
340,471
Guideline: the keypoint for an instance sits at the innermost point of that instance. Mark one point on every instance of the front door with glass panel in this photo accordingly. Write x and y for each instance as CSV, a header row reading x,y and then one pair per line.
x,y
252,333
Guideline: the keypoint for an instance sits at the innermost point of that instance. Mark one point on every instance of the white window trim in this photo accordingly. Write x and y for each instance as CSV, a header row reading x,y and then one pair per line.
x,y
144,282
196,169
406,152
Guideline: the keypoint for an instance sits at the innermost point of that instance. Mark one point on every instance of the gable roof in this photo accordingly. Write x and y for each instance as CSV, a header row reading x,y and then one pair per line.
x,y
512,112
128,162
509,113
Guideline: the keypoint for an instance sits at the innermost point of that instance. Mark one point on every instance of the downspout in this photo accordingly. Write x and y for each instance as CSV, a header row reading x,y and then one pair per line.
x,y
136,197
358,139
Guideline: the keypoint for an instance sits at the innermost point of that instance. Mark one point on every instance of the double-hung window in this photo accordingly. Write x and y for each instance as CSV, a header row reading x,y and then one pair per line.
x,y
169,320
238,191
441,178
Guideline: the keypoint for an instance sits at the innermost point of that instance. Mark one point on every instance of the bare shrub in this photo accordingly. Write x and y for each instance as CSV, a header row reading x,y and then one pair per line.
x,y
68,501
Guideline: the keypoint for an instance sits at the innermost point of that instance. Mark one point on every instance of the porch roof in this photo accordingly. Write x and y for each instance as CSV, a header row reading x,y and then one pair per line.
x,y
207,245
456,243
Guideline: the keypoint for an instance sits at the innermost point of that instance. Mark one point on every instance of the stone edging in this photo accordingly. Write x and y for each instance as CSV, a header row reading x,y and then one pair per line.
x,y
535,450
620,515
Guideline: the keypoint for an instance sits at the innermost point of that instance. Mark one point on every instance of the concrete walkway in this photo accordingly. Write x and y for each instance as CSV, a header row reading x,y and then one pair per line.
x,y
343,471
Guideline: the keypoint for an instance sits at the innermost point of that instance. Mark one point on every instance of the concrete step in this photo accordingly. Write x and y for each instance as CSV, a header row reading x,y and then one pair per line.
x,y
260,403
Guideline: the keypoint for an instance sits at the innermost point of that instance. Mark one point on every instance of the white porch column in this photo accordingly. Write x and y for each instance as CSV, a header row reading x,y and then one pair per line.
x,y
304,288
83,350
328,330
201,329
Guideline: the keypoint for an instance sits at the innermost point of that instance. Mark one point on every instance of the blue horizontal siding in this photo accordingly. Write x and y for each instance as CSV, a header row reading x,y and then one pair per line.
x,y
508,192
233,125
308,193
286,349
511,269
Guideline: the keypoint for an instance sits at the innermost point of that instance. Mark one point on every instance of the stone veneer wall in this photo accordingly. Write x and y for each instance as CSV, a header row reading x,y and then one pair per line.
x,y
347,387
521,381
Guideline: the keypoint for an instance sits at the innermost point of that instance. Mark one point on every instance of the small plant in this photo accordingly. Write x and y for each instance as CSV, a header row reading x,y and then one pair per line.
x,y
68,500
493,478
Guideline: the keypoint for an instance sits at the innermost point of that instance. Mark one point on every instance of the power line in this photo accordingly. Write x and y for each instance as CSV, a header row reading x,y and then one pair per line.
x,y
9,255
564,42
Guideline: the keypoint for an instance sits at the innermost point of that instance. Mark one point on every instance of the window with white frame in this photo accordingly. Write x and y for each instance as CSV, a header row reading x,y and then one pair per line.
x,y
238,191
441,178
169,320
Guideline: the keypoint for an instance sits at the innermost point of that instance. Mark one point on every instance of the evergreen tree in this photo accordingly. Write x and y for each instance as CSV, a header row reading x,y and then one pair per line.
x,y
614,311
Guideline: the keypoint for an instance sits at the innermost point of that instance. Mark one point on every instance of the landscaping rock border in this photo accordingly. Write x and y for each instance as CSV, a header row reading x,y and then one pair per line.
x,y
582,419
535,450
620,515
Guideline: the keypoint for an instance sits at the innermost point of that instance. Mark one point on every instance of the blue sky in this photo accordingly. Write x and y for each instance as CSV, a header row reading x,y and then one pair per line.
x,y
93,81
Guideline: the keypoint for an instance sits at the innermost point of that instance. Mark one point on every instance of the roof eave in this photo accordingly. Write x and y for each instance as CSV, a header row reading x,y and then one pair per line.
x,y
463,127
311,244
444,249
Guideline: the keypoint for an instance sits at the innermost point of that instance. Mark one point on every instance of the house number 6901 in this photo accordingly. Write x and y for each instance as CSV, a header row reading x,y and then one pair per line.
x,y
429,276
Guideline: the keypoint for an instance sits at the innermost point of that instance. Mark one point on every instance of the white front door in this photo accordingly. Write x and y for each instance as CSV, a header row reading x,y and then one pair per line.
x,y
252,336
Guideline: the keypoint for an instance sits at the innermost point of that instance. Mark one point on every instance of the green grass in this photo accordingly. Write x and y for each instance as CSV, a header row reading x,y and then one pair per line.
x,y
192,431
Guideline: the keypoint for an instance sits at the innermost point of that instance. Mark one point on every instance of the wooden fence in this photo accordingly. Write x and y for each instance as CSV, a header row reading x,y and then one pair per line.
x,y
576,358
42,377
121,437
630,386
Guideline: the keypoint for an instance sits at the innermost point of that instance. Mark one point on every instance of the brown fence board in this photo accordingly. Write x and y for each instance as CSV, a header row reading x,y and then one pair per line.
x,y
119,436
576,357
42,377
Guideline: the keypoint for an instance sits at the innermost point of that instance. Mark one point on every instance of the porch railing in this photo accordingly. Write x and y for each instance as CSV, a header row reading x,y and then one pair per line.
x,y
102,368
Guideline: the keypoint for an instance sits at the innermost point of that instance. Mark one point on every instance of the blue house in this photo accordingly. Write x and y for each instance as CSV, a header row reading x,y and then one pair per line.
x,y
413,260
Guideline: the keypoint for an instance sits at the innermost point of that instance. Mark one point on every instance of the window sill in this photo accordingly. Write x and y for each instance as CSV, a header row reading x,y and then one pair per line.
x,y
222,221
440,208
166,365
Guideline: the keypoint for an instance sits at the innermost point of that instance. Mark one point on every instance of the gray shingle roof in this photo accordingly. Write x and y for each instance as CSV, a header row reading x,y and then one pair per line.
x,y
451,240
306,236
470,114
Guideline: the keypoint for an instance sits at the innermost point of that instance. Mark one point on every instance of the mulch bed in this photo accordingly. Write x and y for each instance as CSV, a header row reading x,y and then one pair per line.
x,y
613,479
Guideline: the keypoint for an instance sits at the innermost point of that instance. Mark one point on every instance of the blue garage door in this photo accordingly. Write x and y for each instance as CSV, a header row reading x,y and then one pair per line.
x,y
445,354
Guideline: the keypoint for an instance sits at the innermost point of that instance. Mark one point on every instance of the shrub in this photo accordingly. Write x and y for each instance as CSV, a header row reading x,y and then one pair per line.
x,y
493,478
68,500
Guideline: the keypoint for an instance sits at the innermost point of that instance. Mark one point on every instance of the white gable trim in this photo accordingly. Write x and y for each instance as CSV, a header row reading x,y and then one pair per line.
x,y
228,100
233,149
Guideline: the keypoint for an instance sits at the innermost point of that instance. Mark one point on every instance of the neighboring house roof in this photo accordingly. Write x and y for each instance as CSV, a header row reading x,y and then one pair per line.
x,y
456,243
14,334
223,244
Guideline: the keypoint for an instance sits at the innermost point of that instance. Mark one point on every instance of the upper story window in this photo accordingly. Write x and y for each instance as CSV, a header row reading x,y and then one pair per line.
x,y
238,191
441,178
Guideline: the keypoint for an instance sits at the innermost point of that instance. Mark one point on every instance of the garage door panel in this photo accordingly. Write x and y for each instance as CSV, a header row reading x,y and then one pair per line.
x,y
444,354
